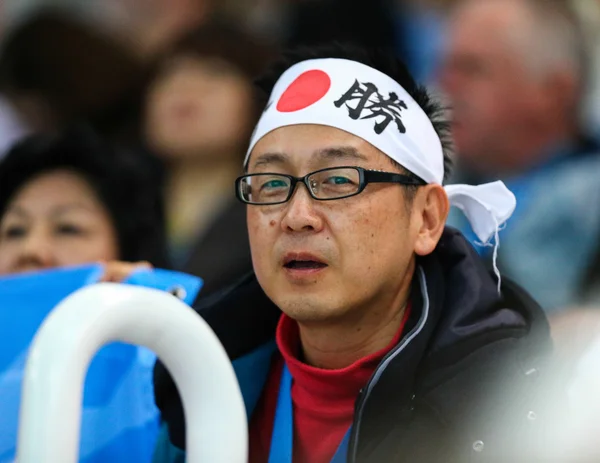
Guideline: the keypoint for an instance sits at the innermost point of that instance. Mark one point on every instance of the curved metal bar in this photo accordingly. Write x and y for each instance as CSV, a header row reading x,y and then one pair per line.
x,y
78,327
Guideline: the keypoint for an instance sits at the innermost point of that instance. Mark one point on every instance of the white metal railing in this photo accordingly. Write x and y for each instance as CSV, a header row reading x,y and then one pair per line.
x,y
50,415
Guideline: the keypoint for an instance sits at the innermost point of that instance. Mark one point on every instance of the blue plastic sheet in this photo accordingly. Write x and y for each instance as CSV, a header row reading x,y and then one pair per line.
x,y
120,421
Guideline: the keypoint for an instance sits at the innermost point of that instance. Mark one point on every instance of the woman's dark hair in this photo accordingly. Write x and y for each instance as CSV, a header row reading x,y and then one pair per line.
x,y
127,183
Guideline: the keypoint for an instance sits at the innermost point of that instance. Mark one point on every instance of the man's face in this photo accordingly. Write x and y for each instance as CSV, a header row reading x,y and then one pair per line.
x,y
492,93
321,260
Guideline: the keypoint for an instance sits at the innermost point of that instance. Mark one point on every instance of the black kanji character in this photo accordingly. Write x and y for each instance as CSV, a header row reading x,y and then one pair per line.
x,y
369,99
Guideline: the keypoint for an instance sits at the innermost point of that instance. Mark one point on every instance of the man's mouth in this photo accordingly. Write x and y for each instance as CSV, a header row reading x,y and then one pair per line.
x,y
303,261
304,264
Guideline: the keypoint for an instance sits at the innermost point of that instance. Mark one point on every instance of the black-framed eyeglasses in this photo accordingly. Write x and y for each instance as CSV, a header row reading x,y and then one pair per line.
x,y
323,185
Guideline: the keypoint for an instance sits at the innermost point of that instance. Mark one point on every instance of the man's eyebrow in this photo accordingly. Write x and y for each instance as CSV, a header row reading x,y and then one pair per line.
x,y
340,153
325,154
270,158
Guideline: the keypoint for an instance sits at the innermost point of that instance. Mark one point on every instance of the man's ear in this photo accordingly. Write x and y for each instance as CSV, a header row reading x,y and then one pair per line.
x,y
433,206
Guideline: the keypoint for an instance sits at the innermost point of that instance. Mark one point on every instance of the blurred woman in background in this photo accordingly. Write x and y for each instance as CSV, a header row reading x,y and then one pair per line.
x,y
200,111
71,199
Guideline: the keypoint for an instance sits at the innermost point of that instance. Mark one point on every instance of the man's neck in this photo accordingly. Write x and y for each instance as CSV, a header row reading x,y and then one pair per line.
x,y
341,343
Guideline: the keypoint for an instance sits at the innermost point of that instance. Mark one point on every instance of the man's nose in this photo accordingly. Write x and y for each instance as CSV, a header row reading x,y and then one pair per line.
x,y
300,213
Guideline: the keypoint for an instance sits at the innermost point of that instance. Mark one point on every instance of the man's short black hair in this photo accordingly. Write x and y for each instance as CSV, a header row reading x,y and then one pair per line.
x,y
127,184
385,62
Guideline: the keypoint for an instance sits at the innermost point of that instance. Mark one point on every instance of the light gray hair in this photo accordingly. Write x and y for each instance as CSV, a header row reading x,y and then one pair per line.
x,y
557,40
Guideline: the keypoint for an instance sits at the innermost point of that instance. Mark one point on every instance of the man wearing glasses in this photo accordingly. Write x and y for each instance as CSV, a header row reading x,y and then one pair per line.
x,y
368,331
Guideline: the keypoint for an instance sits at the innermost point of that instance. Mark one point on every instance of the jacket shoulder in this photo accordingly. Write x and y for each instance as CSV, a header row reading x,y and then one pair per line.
x,y
492,402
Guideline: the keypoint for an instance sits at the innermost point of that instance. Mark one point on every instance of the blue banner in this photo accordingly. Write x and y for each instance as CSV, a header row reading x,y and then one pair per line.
x,y
120,421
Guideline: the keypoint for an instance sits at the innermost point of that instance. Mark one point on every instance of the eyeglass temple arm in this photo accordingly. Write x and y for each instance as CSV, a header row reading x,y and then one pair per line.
x,y
372,176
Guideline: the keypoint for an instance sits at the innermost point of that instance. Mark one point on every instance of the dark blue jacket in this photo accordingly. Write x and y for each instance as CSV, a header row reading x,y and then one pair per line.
x,y
460,386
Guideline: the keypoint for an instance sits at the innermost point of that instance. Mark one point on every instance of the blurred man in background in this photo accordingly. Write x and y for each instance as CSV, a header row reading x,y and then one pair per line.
x,y
515,73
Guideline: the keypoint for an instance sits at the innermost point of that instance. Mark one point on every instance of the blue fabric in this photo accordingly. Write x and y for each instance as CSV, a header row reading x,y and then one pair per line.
x,y
120,422
252,371
282,437
282,440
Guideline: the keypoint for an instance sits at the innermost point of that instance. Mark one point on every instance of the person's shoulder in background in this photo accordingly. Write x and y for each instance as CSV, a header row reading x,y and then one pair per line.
x,y
222,255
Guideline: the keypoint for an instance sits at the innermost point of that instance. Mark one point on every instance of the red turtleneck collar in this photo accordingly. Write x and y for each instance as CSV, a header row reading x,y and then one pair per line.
x,y
323,399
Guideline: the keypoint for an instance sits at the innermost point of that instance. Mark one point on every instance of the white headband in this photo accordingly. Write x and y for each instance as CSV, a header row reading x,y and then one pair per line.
x,y
369,104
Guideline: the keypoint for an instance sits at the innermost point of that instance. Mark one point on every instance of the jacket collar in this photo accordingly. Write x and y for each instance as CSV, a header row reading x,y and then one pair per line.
x,y
456,310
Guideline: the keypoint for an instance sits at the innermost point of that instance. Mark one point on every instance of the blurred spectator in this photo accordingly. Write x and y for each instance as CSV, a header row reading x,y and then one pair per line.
x,y
409,28
200,111
413,29
72,199
146,25
2,18
154,25
364,23
12,127
589,12
268,19
55,70
515,73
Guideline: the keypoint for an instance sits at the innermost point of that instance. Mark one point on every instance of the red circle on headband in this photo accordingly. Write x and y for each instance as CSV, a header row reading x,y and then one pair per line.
x,y
308,88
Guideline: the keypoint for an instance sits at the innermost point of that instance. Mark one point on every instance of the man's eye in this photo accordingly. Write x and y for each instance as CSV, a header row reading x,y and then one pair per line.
x,y
337,180
274,184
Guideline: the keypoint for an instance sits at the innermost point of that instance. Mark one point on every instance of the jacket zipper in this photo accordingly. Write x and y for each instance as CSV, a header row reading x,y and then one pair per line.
x,y
366,391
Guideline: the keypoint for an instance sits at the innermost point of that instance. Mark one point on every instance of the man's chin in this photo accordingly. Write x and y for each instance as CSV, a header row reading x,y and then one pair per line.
x,y
309,310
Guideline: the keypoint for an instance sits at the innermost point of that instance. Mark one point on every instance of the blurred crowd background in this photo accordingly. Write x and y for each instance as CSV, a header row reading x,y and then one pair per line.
x,y
168,83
